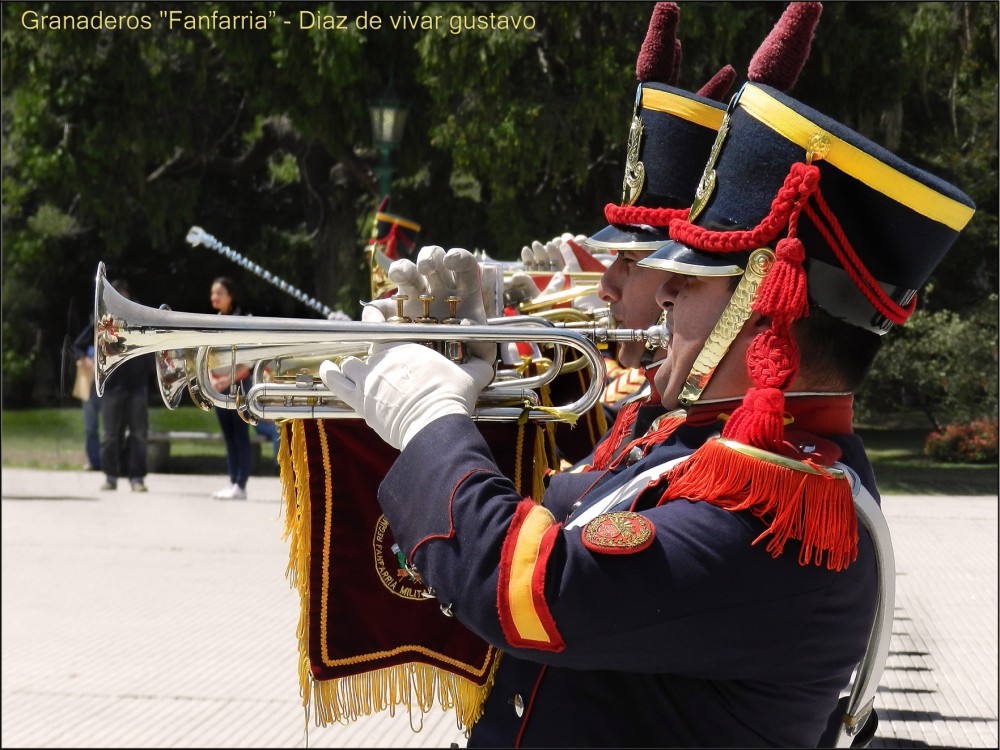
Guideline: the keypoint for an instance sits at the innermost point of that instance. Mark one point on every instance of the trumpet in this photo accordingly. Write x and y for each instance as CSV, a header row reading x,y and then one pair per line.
x,y
188,346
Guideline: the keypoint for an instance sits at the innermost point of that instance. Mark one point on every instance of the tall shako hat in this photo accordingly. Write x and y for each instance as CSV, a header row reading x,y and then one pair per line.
x,y
394,235
871,228
826,216
670,137
776,63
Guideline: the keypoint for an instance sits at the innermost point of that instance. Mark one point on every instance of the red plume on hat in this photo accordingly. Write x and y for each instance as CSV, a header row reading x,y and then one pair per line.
x,y
779,59
718,87
659,56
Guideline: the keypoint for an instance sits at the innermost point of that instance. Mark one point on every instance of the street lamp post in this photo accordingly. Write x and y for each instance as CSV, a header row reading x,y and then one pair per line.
x,y
388,115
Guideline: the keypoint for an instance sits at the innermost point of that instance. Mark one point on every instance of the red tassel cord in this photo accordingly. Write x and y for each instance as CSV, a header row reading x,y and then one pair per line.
x,y
641,215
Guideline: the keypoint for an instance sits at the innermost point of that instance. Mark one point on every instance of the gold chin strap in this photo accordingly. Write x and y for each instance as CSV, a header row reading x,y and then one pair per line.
x,y
737,313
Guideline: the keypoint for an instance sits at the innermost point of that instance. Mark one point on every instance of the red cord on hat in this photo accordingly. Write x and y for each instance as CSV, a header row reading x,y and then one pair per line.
x,y
861,276
801,181
641,215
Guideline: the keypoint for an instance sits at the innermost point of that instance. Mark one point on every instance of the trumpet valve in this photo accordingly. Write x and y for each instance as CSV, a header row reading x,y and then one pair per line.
x,y
425,301
399,299
456,351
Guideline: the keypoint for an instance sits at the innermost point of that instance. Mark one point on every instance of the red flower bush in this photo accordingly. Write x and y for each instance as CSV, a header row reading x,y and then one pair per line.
x,y
971,443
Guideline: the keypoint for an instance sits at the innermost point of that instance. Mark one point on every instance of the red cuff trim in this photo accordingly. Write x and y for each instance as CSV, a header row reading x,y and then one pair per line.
x,y
523,610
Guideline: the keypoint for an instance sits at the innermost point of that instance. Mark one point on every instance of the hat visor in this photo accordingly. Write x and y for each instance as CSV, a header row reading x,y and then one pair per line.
x,y
676,257
623,238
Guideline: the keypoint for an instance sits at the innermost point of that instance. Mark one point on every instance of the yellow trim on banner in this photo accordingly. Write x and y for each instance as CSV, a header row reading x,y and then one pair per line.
x,y
682,107
854,162
522,606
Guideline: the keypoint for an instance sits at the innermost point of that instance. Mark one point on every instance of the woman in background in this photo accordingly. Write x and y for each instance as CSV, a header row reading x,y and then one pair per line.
x,y
235,431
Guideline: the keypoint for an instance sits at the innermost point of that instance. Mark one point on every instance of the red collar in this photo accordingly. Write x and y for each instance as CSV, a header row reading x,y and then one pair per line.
x,y
823,414
809,417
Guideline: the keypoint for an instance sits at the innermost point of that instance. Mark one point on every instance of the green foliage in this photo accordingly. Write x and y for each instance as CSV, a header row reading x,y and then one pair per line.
x,y
971,443
115,144
941,363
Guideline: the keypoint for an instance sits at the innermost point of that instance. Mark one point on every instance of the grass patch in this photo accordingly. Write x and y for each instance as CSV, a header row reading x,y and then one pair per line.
x,y
901,468
53,439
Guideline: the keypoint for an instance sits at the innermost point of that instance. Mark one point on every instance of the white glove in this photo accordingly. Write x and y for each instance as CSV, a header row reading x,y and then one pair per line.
x,y
404,387
520,287
441,274
542,257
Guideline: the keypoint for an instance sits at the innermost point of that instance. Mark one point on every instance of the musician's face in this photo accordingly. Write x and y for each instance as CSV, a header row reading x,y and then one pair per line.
x,y
693,305
630,292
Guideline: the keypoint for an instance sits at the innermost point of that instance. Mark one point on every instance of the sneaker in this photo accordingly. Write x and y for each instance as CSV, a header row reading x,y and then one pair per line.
x,y
139,487
223,492
233,493
109,485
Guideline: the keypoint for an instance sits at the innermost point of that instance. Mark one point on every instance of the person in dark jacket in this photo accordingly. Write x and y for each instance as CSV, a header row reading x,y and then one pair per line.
x,y
83,350
124,416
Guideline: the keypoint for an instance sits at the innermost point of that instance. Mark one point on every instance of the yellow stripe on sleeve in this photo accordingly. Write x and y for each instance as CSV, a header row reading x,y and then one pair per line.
x,y
519,596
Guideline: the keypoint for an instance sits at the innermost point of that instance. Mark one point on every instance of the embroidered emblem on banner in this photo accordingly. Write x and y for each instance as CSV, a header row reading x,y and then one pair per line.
x,y
619,533
392,570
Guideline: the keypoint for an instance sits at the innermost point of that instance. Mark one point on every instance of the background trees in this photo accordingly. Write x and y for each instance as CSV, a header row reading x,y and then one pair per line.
x,y
116,142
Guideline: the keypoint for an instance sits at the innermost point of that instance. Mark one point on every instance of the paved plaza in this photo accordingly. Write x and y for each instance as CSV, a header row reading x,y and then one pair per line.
x,y
165,620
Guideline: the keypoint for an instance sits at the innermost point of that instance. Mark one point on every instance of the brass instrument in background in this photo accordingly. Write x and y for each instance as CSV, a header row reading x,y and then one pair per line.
x,y
285,354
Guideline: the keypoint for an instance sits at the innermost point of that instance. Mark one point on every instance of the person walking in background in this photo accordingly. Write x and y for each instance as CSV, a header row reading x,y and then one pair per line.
x,y
124,417
235,431
83,350
267,428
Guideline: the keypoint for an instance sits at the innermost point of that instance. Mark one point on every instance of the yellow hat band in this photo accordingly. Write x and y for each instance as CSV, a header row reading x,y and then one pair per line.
x,y
682,107
854,162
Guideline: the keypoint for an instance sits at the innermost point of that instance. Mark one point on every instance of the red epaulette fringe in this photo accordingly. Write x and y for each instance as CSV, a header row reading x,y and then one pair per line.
x,y
811,504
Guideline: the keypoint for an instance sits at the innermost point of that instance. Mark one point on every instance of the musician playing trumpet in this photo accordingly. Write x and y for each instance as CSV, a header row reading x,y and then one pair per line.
x,y
718,591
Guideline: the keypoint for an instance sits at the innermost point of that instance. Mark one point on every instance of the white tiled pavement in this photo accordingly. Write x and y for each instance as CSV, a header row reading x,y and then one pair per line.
x,y
165,620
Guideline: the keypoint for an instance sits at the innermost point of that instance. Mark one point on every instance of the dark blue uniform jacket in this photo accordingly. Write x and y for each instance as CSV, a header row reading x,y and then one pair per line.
x,y
701,639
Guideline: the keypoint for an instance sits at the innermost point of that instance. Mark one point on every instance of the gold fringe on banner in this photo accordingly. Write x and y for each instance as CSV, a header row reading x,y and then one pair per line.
x,y
411,685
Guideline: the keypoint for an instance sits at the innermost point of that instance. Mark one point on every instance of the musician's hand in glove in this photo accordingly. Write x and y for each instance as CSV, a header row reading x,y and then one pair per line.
x,y
402,388
542,256
439,274
520,287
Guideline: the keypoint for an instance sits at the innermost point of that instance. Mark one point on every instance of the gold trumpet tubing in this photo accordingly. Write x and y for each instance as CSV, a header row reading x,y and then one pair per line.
x,y
222,357
589,277
564,315
556,298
